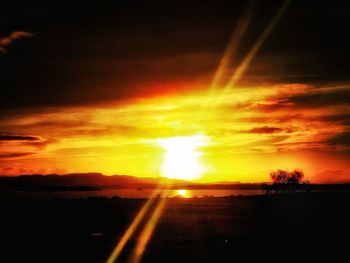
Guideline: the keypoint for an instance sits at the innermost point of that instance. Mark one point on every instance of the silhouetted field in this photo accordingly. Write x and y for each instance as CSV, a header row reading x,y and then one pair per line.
x,y
233,229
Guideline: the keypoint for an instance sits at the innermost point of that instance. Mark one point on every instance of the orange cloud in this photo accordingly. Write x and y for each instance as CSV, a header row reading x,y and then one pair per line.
x,y
6,41
122,138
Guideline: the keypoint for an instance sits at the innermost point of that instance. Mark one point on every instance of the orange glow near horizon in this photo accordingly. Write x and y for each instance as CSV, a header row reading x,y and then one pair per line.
x,y
173,136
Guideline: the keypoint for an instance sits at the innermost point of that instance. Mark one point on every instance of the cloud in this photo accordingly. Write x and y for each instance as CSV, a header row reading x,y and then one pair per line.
x,y
22,141
321,97
311,98
265,130
6,41
10,155
32,138
342,139
343,118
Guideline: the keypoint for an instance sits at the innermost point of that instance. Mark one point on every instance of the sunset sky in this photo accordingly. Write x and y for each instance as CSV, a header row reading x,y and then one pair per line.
x,y
107,87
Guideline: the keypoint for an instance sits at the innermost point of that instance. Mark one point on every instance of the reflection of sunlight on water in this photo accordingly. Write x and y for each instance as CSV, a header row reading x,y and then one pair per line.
x,y
183,193
134,193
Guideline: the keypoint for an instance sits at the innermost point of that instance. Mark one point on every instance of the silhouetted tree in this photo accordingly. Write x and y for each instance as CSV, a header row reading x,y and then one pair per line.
x,y
285,181
286,177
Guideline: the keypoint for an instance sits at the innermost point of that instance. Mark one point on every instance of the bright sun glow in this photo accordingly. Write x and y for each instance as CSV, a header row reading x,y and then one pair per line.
x,y
183,193
181,157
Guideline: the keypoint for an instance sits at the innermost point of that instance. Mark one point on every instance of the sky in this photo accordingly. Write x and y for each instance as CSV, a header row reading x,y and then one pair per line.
x,y
244,88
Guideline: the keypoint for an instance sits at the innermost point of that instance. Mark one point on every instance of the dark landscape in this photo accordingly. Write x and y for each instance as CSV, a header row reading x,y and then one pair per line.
x,y
190,230
98,181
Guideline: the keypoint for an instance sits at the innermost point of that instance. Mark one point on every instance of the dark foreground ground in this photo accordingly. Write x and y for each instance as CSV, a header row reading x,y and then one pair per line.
x,y
266,228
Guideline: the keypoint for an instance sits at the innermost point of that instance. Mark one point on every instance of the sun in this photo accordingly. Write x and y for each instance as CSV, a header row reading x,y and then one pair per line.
x,y
183,193
181,158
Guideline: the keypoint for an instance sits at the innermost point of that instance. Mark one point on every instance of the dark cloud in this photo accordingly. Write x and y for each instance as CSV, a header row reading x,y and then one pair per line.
x,y
31,138
26,140
10,155
285,118
342,139
343,118
265,130
312,98
272,104
111,51
40,144
321,98
304,145
6,41
309,45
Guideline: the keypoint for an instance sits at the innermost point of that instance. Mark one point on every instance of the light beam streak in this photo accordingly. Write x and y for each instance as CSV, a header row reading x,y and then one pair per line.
x,y
232,46
131,229
258,44
136,222
147,232
236,76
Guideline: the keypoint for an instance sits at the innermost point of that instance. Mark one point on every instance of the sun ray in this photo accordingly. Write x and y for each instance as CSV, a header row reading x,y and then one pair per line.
x,y
147,232
258,44
232,46
138,220
130,231
243,66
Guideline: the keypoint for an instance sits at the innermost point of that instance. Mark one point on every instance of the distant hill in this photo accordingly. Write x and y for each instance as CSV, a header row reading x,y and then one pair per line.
x,y
98,181
78,180
95,181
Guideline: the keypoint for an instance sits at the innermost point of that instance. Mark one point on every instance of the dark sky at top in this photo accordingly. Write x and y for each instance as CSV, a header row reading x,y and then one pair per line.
x,y
91,53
